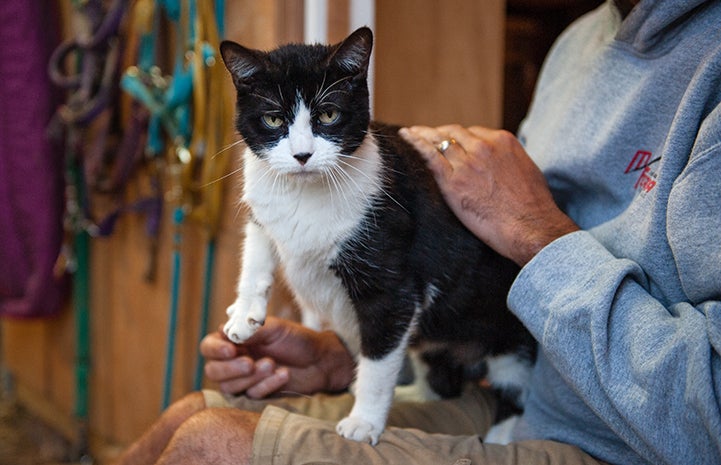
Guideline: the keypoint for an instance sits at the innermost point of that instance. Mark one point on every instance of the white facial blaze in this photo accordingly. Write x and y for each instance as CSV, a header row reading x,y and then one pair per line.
x,y
300,133
301,140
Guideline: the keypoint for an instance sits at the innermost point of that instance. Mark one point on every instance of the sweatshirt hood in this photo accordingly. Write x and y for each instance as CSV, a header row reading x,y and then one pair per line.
x,y
652,24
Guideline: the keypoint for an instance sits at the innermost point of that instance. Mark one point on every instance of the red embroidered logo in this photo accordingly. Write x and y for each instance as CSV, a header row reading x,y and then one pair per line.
x,y
641,161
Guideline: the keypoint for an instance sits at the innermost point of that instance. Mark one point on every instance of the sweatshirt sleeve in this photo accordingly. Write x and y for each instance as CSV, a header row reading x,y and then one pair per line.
x,y
650,369
635,362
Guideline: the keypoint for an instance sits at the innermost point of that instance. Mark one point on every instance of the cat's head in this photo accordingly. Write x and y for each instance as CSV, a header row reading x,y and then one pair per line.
x,y
302,107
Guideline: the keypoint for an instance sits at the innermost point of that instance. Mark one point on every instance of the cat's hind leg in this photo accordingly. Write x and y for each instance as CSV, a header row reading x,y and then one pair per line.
x,y
510,374
374,388
419,390
248,312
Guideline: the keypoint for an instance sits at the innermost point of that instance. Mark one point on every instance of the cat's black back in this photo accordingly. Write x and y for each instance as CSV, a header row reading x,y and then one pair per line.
x,y
412,250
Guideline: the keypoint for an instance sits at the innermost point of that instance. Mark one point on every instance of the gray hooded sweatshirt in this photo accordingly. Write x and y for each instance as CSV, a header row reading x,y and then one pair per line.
x,y
626,126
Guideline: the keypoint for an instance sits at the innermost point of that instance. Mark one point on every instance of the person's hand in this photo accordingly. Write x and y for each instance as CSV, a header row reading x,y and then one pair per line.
x,y
494,188
282,357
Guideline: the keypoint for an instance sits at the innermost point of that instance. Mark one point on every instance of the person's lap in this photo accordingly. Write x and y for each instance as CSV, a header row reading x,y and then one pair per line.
x,y
301,430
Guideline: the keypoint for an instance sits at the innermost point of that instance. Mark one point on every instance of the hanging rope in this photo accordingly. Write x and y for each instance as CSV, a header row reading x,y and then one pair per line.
x,y
95,52
212,125
188,111
175,123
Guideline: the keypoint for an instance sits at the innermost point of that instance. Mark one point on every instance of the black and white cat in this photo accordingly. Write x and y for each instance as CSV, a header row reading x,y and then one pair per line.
x,y
360,227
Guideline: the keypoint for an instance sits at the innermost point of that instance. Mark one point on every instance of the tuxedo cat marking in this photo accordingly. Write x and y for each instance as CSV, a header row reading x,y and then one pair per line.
x,y
358,223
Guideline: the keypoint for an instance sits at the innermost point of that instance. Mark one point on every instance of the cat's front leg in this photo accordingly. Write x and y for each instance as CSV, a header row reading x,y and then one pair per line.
x,y
248,312
374,388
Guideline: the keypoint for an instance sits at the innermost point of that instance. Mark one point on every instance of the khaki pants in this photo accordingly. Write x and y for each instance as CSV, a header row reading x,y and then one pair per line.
x,y
301,430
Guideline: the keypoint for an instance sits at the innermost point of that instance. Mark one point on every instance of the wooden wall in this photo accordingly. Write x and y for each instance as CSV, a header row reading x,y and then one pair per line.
x,y
440,61
436,62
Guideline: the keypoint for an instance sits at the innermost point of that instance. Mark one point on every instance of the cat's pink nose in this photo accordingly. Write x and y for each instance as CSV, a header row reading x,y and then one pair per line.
x,y
302,157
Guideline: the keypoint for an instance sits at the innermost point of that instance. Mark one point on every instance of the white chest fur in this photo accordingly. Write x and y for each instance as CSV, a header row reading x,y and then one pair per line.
x,y
301,218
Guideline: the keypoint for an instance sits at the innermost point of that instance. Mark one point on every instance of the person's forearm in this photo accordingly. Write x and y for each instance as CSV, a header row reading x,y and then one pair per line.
x,y
533,234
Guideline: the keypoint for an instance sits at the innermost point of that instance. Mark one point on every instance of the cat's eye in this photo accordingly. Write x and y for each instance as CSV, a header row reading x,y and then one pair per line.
x,y
329,117
272,121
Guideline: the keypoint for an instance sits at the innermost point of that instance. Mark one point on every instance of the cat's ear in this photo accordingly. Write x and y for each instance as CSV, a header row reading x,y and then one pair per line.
x,y
354,53
243,63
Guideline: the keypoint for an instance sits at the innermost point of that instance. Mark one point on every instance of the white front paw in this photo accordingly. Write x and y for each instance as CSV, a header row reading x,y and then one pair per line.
x,y
360,430
242,322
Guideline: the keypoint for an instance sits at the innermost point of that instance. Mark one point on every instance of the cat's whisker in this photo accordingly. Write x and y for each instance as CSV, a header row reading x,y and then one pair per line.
x,y
379,136
225,176
280,182
227,147
333,104
348,181
241,207
276,181
334,177
369,202
364,160
350,165
339,175
320,88
347,177
324,92
268,99
333,186
266,173
328,94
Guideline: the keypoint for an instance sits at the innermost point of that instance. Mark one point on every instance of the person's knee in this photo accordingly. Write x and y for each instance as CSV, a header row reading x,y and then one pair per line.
x,y
190,403
213,435
181,410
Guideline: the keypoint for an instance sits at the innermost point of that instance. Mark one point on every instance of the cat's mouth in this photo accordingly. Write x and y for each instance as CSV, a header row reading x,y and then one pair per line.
x,y
305,174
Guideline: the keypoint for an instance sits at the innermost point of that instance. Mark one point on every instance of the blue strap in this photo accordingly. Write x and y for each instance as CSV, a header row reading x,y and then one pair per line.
x,y
220,17
178,217
205,309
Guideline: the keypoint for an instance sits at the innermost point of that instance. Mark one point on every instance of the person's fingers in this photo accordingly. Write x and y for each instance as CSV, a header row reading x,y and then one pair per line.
x,y
432,135
269,385
215,347
425,140
223,370
474,140
252,376
270,331
481,131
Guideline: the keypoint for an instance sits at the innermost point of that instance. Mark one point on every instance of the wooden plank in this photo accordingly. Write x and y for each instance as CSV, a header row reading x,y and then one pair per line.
x,y
439,61
290,21
47,410
24,349
338,20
